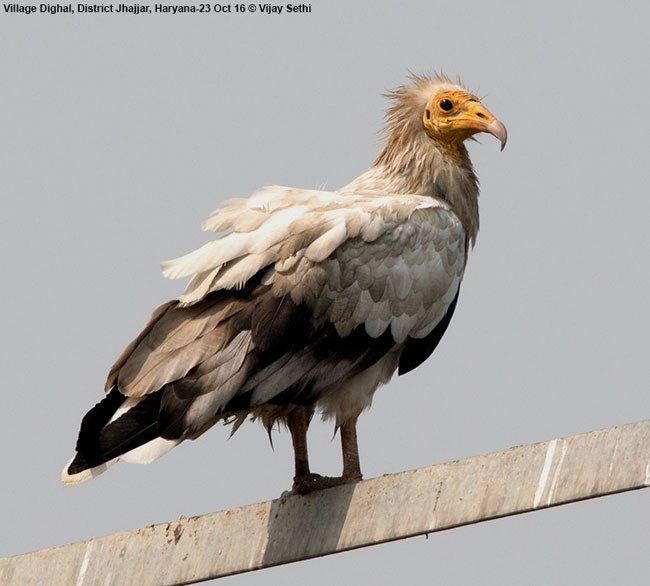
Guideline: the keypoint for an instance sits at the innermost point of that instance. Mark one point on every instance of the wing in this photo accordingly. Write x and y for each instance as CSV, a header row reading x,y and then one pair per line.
x,y
376,260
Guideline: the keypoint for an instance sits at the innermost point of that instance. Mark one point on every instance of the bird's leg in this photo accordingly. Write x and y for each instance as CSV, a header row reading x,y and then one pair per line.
x,y
350,448
304,480
298,422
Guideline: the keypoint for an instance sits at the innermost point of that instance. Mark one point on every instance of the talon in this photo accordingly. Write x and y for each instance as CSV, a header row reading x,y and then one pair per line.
x,y
313,482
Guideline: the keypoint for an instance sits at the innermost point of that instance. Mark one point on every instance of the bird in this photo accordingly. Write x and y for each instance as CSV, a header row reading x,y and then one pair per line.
x,y
307,300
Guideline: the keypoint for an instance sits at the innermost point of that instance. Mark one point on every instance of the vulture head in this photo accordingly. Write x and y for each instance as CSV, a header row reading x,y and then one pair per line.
x,y
453,115
443,111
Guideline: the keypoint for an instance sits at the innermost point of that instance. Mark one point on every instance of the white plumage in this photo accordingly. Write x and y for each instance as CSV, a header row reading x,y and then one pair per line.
x,y
351,259
307,299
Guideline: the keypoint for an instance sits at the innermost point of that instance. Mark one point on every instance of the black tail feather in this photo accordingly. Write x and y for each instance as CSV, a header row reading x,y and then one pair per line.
x,y
99,443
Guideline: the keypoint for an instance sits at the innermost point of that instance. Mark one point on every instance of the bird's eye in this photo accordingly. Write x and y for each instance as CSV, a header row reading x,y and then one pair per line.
x,y
446,105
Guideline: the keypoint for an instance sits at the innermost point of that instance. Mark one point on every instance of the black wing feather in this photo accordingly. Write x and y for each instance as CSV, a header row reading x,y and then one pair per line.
x,y
417,350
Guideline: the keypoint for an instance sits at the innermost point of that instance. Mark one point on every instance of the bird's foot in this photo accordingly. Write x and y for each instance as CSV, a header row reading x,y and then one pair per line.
x,y
311,482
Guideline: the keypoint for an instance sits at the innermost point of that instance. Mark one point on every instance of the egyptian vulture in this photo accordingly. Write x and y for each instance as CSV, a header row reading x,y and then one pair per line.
x,y
307,300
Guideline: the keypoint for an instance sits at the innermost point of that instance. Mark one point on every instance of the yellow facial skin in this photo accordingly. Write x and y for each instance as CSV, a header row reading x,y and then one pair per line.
x,y
452,116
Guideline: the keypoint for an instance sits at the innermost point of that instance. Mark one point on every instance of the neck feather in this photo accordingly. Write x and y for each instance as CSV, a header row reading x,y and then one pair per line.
x,y
420,167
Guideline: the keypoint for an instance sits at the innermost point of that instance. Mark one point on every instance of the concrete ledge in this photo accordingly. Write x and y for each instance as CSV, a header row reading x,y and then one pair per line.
x,y
391,507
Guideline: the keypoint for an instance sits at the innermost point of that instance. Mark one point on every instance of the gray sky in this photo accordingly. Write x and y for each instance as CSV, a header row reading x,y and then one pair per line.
x,y
121,133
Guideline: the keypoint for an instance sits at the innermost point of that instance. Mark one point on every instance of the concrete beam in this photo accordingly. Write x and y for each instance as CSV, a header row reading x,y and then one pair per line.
x,y
394,506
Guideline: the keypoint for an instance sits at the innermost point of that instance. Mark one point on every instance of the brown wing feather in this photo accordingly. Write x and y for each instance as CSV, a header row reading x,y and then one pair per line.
x,y
126,353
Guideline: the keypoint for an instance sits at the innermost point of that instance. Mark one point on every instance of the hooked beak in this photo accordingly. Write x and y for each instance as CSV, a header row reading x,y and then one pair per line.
x,y
497,129
477,118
